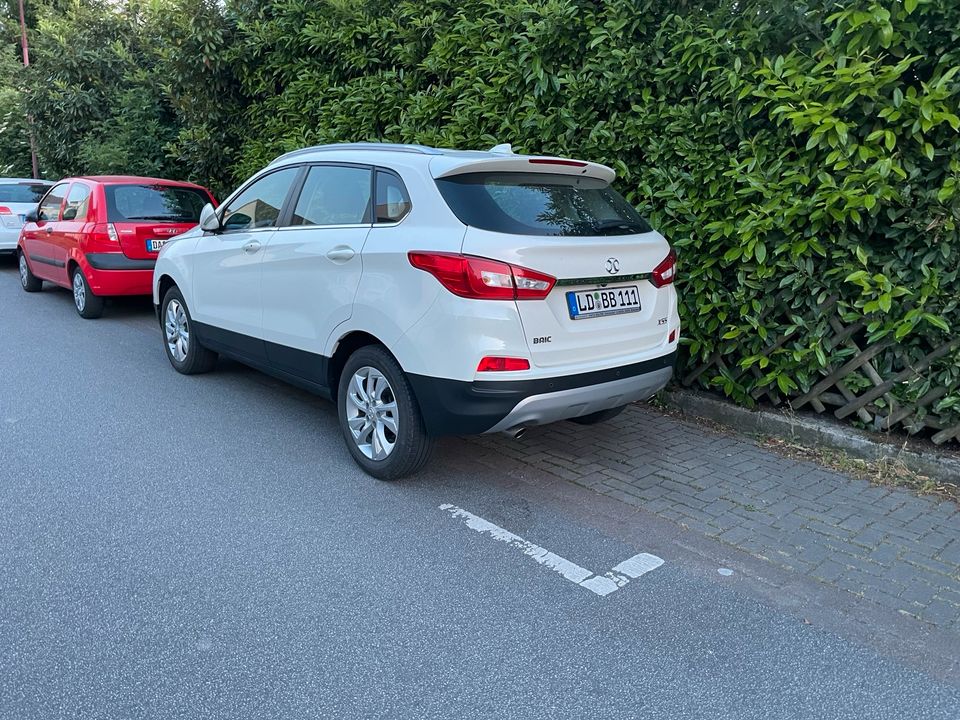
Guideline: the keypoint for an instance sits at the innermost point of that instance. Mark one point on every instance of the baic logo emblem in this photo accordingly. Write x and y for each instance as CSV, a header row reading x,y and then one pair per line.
x,y
613,266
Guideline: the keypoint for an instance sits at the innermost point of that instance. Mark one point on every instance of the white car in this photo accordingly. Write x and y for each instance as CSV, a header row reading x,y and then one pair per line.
x,y
18,196
428,292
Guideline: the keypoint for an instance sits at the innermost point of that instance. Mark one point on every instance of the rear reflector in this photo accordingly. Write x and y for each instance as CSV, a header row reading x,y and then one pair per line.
x,y
483,279
503,364
666,272
553,161
673,336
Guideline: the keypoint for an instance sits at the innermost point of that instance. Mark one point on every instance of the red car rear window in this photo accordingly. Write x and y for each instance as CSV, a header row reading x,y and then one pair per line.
x,y
154,203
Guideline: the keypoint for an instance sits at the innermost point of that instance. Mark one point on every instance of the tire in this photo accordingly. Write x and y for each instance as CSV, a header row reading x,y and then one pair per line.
x,y
599,416
184,351
28,281
410,449
88,305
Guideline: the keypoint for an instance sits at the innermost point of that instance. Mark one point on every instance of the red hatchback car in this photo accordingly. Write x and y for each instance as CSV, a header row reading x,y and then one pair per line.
x,y
99,236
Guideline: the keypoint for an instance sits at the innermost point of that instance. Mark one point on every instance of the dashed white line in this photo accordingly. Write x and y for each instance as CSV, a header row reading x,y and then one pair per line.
x,y
630,569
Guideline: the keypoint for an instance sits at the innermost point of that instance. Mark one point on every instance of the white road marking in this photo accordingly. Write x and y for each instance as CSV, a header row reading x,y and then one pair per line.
x,y
608,582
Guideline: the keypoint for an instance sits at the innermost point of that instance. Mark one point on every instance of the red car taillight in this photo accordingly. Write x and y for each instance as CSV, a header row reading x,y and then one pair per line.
x,y
483,279
666,272
503,364
106,232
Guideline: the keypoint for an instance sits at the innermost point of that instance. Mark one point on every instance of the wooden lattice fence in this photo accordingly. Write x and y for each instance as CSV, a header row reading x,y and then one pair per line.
x,y
858,382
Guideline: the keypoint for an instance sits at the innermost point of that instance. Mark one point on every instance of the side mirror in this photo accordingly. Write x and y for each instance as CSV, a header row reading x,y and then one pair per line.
x,y
239,221
70,214
209,222
32,216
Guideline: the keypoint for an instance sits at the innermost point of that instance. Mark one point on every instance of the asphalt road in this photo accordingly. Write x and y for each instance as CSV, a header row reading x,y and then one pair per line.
x,y
204,547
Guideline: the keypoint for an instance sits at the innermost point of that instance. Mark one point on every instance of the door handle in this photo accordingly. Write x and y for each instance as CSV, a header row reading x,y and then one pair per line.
x,y
341,254
251,247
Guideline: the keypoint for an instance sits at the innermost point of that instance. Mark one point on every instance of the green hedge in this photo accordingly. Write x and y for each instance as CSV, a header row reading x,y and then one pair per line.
x,y
796,153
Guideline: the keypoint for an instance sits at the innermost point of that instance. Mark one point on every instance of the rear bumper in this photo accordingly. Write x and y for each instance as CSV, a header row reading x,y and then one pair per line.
x,y
8,240
453,407
116,274
118,261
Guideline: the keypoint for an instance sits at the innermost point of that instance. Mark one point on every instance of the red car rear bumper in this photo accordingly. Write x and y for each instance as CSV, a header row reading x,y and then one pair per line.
x,y
116,274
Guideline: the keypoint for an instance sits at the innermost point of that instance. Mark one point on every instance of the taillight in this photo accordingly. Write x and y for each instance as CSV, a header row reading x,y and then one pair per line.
x,y
106,229
4,210
665,273
483,279
503,364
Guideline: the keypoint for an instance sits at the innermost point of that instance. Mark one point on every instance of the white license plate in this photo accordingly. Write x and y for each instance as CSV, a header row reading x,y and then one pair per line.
x,y
155,245
585,304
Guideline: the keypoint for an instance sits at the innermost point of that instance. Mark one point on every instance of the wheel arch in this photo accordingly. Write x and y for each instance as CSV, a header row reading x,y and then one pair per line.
x,y
344,348
165,282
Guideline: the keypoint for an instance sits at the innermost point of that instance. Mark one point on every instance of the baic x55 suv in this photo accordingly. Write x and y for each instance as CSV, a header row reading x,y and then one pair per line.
x,y
428,292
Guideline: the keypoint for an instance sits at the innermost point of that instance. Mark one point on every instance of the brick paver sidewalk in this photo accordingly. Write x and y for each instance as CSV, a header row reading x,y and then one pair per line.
x,y
888,545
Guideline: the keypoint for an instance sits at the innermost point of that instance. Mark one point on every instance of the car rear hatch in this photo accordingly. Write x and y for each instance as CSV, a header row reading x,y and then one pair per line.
x,y
147,216
142,241
12,214
565,221
566,327
16,200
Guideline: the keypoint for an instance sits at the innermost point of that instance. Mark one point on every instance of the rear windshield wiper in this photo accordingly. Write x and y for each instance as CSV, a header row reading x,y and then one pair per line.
x,y
629,226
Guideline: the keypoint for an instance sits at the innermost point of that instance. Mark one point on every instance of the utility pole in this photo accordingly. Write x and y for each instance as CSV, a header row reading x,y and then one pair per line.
x,y
26,63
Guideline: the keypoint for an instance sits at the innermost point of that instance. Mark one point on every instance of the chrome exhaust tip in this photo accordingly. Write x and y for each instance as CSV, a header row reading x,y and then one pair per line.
x,y
515,433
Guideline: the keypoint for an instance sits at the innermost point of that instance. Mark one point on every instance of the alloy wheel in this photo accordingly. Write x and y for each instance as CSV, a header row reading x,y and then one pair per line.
x,y
372,413
24,270
177,331
79,291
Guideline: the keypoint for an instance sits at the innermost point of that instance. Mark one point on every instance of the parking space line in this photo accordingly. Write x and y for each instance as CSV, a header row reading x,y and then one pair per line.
x,y
630,569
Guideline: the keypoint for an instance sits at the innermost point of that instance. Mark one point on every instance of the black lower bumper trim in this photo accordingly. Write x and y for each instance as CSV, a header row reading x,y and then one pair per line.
x,y
118,261
456,407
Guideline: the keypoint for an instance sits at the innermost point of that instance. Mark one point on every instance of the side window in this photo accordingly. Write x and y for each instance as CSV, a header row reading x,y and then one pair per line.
x,y
393,201
50,205
78,202
334,195
259,205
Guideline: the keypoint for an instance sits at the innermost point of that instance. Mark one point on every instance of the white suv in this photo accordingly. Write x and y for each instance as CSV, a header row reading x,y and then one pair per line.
x,y
428,292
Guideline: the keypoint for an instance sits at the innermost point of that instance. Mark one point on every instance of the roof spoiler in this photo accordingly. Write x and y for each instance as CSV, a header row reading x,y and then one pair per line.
x,y
445,165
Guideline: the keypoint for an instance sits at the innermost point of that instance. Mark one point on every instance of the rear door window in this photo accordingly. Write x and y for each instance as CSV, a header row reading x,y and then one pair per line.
x,y
154,203
50,206
78,202
540,204
29,193
334,195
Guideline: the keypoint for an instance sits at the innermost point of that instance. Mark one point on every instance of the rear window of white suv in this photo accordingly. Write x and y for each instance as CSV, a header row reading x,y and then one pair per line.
x,y
540,204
